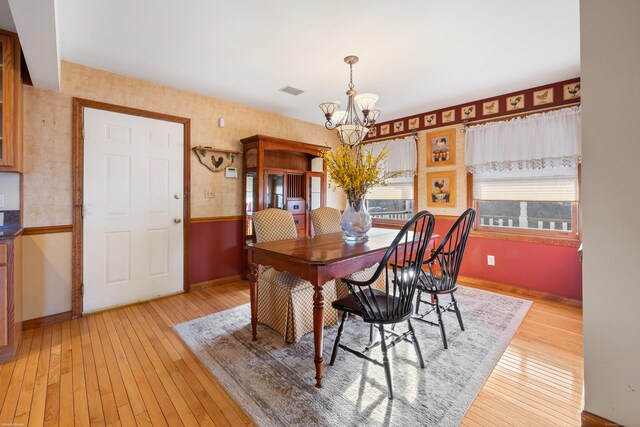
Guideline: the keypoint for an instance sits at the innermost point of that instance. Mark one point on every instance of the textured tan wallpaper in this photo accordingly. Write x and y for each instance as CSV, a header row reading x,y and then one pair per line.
x,y
47,139
459,168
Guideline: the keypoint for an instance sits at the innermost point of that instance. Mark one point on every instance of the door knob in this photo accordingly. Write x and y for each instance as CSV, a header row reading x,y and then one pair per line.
x,y
177,196
177,220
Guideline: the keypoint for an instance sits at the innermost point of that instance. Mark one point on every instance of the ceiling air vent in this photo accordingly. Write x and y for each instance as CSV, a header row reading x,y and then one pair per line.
x,y
291,90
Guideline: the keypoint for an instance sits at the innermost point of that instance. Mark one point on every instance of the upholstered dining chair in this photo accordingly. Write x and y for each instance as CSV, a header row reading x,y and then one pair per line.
x,y
401,265
444,265
285,302
326,220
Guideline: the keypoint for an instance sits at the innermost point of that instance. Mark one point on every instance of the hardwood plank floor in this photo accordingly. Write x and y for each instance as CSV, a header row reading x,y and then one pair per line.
x,y
127,367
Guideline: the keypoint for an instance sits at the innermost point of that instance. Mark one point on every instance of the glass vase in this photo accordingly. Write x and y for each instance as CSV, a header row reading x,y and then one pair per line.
x,y
356,221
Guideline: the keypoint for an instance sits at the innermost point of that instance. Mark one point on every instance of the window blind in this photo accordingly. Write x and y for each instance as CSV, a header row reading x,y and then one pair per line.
x,y
546,185
393,191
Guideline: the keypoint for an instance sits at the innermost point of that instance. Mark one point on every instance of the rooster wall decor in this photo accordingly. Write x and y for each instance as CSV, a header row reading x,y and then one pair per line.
x,y
515,101
573,91
214,159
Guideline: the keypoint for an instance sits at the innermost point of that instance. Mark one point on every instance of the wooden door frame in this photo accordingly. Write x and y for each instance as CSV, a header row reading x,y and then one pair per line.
x,y
79,105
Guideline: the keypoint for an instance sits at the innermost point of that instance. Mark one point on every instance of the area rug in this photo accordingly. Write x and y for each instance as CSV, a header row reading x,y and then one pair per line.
x,y
274,382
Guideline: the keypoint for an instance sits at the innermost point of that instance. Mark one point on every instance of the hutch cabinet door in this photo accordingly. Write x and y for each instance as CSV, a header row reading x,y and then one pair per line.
x,y
8,116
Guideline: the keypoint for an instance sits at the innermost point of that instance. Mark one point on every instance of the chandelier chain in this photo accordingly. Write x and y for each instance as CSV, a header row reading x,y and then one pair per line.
x,y
350,76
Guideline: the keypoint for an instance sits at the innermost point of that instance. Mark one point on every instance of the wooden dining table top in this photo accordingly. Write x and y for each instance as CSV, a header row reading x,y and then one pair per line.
x,y
327,248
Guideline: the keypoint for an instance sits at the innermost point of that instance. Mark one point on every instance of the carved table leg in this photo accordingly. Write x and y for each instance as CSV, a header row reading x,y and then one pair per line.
x,y
253,293
318,329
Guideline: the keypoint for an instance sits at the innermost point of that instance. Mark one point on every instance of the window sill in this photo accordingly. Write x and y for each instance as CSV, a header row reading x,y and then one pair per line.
x,y
570,241
395,224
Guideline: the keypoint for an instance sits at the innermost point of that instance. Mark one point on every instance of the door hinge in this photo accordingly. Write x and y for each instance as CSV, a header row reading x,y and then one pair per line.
x,y
83,133
81,288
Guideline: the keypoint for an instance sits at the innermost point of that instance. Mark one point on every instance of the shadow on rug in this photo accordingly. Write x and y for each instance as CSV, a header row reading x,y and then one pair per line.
x,y
273,382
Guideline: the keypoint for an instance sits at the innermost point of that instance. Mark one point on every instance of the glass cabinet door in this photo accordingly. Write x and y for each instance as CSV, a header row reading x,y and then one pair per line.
x,y
274,190
315,192
251,200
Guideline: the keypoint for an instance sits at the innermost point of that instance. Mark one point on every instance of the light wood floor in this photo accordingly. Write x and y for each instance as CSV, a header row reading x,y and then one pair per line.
x,y
126,366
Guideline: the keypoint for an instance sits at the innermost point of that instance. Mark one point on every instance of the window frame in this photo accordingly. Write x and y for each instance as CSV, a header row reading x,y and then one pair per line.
x,y
572,238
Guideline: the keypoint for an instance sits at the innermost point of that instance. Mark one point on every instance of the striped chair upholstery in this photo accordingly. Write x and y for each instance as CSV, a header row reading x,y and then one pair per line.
x,y
285,302
326,221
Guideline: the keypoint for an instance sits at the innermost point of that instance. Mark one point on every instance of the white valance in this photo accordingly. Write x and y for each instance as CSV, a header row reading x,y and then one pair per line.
x,y
402,154
538,141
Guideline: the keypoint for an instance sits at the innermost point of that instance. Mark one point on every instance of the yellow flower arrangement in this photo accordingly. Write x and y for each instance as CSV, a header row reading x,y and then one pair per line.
x,y
356,170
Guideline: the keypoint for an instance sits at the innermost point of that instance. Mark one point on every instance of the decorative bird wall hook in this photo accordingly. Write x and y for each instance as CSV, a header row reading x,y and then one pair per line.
x,y
218,161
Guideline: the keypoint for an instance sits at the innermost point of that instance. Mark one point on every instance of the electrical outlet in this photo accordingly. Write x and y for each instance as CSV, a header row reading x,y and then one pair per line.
x,y
491,260
209,193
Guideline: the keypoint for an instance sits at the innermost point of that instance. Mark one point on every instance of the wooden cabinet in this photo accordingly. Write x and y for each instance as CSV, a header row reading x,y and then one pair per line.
x,y
10,296
11,103
277,174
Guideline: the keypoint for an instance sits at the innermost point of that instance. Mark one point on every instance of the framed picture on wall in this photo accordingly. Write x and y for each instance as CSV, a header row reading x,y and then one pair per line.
x,y
441,148
442,189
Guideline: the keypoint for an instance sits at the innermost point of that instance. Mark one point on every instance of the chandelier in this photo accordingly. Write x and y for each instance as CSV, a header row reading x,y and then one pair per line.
x,y
351,129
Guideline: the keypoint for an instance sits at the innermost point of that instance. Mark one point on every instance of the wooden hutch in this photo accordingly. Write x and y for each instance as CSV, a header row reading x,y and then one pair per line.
x,y
10,161
278,174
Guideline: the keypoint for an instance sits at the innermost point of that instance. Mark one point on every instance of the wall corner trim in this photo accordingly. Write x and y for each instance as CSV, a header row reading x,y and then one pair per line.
x,y
46,320
49,229
216,282
524,292
588,419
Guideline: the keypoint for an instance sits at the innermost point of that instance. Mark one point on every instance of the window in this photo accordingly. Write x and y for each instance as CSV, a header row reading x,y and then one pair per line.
x,y
541,200
524,174
395,201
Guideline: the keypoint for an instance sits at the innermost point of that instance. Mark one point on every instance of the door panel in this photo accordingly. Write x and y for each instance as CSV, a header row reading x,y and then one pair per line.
x,y
117,257
158,248
118,181
132,209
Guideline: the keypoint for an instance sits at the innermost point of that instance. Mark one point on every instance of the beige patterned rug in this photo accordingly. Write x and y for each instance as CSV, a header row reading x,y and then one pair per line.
x,y
273,382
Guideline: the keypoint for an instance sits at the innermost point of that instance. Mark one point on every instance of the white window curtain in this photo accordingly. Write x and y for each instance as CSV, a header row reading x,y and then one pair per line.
x,y
548,140
402,154
402,157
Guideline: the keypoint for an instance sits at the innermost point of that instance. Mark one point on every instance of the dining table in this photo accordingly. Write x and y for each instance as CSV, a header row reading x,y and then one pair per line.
x,y
318,260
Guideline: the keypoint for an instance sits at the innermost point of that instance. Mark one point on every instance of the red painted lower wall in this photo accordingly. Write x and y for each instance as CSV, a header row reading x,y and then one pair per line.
x,y
548,268
215,250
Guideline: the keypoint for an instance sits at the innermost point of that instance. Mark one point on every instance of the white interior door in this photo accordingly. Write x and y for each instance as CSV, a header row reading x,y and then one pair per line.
x,y
133,207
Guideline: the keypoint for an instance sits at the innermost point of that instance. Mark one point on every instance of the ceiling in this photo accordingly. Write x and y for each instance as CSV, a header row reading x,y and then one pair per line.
x,y
6,22
417,55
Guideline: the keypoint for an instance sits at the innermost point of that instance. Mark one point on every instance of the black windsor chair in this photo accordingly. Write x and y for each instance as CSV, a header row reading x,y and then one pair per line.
x,y
401,265
444,265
